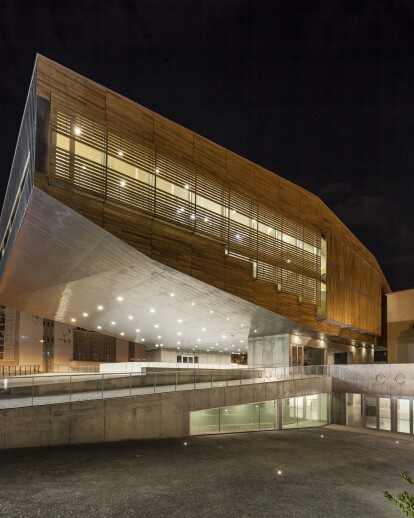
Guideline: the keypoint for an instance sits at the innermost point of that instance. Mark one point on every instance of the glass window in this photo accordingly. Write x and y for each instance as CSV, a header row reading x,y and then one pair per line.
x,y
353,410
240,417
385,413
403,415
371,412
205,421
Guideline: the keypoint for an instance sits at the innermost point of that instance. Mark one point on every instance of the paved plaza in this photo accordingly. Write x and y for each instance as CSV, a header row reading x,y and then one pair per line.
x,y
287,473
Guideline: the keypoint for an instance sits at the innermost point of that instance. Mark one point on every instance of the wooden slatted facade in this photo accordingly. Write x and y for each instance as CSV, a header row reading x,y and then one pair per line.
x,y
196,207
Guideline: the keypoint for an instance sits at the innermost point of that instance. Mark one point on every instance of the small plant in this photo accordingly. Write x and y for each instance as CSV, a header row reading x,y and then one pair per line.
x,y
405,502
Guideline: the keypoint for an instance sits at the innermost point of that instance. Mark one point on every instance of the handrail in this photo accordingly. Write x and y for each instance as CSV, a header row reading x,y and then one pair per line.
x,y
62,388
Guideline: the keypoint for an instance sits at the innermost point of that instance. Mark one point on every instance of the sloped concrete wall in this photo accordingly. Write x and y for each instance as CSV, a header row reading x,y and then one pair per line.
x,y
136,417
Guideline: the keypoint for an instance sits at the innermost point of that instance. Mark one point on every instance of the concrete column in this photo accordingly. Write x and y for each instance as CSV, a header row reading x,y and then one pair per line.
x,y
269,351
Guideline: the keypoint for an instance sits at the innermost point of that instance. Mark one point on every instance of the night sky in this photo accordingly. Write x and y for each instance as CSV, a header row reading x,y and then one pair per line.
x,y
319,92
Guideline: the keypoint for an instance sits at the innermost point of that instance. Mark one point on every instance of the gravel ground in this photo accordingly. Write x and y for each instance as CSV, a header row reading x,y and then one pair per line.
x,y
290,473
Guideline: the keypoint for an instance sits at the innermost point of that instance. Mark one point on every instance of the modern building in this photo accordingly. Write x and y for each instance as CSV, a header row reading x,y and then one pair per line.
x,y
130,230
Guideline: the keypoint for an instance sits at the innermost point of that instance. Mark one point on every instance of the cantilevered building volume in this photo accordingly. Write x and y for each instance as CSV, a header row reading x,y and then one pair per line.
x,y
119,221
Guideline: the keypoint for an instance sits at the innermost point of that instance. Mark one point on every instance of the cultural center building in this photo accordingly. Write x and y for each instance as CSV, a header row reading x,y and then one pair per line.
x,y
135,238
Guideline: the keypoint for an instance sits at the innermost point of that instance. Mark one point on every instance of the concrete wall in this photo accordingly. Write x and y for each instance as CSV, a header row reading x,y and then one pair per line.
x,y
63,343
272,351
170,356
121,350
30,336
380,379
137,417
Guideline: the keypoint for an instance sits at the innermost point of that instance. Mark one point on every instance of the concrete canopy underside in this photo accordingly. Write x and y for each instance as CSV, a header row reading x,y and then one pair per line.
x,y
63,265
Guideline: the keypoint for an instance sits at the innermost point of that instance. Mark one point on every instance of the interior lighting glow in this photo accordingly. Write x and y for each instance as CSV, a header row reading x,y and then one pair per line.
x,y
198,339
203,329
156,326
120,153
137,330
130,317
179,333
288,260
279,472
73,319
178,343
206,220
224,336
177,347
192,216
171,294
120,299
193,303
157,170
99,327
85,314
152,310
100,308
159,336
156,345
180,320
78,131
122,334
211,311
237,236
255,330
113,323
142,339
122,183
186,186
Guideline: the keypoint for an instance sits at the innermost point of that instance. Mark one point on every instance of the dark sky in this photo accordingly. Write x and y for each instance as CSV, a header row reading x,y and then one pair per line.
x,y
320,92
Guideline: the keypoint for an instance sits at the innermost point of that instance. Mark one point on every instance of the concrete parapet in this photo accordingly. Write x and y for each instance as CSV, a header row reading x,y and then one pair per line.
x,y
135,417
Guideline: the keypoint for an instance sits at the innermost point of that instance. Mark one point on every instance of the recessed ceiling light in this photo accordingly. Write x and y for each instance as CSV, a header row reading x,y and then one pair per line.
x,y
177,347
152,310
122,334
137,330
171,294
156,345
130,317
193,303
196,346
85,314
198,339
78,131
225,348
179,333
216,343
161,345
211,311
232,345
224,336
221,351
73,319
100,308
227,318
179,320
156,326
255,330
99,327
178,343
159,336
142,339
120,299
113,323
203,329
208,350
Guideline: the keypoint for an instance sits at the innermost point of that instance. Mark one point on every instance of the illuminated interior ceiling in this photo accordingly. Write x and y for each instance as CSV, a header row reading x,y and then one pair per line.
x,y
66,268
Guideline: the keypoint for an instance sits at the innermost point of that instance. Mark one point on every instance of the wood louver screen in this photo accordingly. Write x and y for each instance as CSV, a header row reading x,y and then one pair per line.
x,y
123,170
